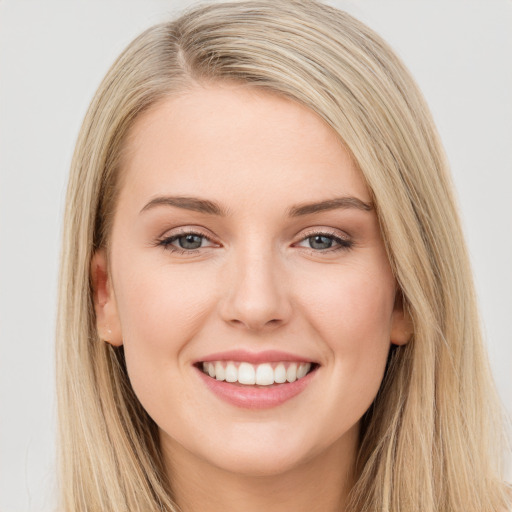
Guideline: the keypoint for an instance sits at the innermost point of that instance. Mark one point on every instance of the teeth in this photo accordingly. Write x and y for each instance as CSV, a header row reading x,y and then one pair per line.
x,y
264,374
291,373
280,374
220,373
231,372
301,371
246,374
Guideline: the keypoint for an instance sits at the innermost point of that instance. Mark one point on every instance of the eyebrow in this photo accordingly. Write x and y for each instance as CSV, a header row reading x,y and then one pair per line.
x,y
212,208
343,203
188,203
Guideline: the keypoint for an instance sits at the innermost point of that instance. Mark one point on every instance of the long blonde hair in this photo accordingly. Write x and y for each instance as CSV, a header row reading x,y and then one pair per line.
x,y
432,440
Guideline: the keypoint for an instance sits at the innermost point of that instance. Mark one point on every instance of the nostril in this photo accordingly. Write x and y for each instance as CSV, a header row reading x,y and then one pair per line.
x,y
255,325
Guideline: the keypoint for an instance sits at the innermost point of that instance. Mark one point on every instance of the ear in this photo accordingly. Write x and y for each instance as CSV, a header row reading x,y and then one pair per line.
x,y
402,327
107,317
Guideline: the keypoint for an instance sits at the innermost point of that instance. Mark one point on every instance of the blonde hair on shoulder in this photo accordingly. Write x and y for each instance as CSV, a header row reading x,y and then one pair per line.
x,y
433,438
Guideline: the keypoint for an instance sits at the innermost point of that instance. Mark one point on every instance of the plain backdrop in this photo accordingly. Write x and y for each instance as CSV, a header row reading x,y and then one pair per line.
x,y
53,55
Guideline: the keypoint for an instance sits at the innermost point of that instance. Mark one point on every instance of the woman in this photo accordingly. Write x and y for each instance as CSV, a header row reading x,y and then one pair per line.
x,y
265,295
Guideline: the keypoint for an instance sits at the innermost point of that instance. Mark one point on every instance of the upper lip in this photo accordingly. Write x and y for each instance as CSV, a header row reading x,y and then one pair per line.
x,y
265,356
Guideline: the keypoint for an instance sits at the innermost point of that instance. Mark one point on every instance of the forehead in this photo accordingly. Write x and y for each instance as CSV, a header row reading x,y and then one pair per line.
x,y
226,140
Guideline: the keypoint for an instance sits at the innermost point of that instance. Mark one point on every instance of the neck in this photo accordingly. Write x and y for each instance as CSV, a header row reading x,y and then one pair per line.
x,y
320,484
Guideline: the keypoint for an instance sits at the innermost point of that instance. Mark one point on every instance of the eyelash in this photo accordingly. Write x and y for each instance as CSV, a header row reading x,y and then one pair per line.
x,y
168,240
343,243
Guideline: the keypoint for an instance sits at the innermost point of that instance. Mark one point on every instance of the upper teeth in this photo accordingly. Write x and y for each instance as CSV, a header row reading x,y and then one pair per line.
x,y
262,374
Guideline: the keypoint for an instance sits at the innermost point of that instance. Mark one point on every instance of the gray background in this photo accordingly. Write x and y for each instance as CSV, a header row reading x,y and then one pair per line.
x,y
53,55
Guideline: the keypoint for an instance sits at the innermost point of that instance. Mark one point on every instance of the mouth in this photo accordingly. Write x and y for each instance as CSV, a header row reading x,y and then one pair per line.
x,y
265,382
242,373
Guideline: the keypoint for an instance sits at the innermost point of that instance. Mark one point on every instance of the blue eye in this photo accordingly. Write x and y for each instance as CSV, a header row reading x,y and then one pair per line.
x,y
326,242
185,242
190,241
320,242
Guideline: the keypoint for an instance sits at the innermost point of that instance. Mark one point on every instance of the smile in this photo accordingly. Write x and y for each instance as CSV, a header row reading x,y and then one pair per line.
x,y
265,374
256,381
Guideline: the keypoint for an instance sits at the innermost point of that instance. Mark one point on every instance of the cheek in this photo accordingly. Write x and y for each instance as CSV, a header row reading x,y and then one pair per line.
x,y
161,310
352,312
161,304
351,306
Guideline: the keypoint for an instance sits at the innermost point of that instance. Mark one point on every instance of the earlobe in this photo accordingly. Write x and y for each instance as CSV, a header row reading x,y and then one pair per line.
x,y
402,327
105,306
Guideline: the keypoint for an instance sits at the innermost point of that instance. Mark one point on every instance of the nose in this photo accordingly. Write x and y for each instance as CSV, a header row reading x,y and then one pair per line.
x,y
255,294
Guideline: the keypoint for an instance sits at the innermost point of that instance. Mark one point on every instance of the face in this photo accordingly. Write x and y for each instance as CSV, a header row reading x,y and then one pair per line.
x,y
245,252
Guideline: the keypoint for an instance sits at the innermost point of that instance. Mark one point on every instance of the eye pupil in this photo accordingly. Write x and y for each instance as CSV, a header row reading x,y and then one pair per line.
x,y
190,241
320,242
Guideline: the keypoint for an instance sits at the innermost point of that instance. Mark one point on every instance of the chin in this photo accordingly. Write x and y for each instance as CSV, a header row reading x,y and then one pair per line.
x,y
261,453
258,463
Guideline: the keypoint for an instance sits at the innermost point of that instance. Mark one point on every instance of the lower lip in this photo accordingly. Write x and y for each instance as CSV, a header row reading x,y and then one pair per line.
x,y
251,397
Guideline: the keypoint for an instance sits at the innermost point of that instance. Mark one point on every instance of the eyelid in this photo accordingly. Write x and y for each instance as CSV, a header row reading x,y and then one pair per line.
x,y
343,241
170,236
186,230
332,232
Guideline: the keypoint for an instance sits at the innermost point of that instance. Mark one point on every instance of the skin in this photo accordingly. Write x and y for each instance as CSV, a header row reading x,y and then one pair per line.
x,y
259,284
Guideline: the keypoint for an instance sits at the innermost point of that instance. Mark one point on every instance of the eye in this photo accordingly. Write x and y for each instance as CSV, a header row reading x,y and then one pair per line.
x,y
185,242
325,242
190,241
320,242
